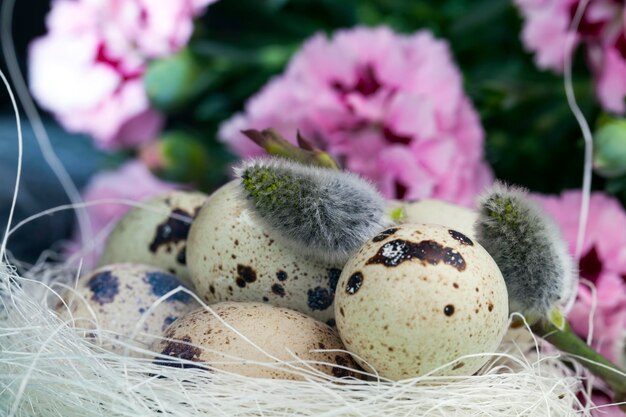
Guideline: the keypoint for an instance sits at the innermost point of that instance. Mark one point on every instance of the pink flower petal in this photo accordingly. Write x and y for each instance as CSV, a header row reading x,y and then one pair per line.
x,y
437,155
399,166
107,121
412,115
611,83
61,66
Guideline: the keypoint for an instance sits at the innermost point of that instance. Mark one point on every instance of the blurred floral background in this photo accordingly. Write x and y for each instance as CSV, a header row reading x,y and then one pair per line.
x,y
426,99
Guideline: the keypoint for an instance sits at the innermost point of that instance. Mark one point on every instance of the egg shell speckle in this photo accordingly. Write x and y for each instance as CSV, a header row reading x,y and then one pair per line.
x,y
155,238
432,211
116,297
232,257
416,297
277,331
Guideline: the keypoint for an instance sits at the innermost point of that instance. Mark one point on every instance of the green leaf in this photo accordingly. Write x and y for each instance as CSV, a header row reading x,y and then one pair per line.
x,y
178,156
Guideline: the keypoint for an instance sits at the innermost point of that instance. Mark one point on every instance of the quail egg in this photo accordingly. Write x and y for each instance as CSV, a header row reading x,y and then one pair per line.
x,y
232,257
156,237
115,298
271,332
417,297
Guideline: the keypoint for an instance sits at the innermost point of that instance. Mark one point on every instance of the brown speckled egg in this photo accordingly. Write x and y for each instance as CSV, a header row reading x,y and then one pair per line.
x,y
154,237
278,331
416,297
115,297
432,211
232,257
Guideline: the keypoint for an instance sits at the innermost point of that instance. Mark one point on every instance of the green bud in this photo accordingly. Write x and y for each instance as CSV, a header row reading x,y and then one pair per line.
x,y
610,149
178,157
174,81
305,153
324,212
528,248
397,214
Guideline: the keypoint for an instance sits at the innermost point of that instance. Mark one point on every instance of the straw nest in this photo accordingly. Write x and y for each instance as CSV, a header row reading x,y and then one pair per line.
x,y
48,369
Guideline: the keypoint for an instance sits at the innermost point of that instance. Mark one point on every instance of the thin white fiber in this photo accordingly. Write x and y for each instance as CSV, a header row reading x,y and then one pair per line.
x,y
48,369
19,165
585,130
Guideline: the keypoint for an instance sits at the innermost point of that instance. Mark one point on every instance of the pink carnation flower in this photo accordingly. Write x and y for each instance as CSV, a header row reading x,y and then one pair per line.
x,y
604,264
390,107
602,30
132,181
88,69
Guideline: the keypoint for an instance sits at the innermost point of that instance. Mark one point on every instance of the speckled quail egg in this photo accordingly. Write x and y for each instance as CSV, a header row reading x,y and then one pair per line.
x,y
116,297
417,297
232,257
279,332
432,211
155,237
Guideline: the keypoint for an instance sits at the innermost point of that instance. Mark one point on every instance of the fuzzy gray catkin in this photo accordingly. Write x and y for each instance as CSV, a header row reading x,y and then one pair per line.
x,y
527,247
327,213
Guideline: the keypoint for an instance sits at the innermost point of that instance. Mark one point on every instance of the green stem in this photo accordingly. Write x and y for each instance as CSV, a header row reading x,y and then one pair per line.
x,y
567,341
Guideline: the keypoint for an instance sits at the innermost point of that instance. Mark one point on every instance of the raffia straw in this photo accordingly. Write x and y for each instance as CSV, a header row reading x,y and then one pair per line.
x,y
48,369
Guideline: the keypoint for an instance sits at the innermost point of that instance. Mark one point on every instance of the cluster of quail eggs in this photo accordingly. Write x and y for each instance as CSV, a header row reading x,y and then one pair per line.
x,y
419,295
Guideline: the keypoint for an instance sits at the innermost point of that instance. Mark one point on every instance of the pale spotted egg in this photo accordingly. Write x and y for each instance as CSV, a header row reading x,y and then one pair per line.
x,y
232,257
109,303
265,336
417,297
158,235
